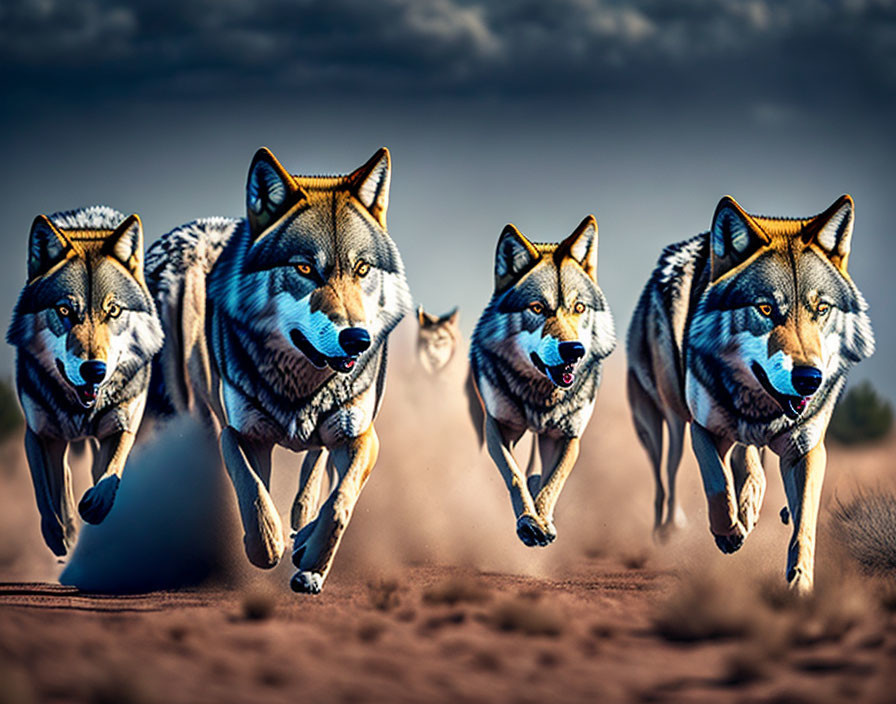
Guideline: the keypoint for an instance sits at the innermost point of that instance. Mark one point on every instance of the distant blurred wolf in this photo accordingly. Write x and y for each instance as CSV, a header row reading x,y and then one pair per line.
x,y
747,332
437,339
86,330
535,363
277,324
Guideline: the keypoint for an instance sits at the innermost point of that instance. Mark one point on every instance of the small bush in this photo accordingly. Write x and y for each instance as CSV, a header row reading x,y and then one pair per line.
x,y
861,416
10,415
866,526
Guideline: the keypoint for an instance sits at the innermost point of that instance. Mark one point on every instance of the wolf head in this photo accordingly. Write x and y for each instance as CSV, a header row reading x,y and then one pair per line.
x,y
781,310
321,277
436,339
547,312
85,312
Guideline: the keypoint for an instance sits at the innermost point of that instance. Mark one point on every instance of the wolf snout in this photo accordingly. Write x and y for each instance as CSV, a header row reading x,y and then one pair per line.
x,y
571,352
354,341
93,371
806,380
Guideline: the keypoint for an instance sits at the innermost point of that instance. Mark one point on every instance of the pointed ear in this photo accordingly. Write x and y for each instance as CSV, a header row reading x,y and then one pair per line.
x,y
47,245
421,316
270,191
371,183
734,237
452,316
832,231
513,256
126,243
581,246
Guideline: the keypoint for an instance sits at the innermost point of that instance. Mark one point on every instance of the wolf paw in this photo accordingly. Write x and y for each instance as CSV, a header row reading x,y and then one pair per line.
x,y
97,501
731,542
799,581
306,582
531,533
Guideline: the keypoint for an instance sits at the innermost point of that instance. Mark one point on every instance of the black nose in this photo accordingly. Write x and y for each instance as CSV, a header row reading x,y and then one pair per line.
x,y
571,352
806,380
93,371
354,340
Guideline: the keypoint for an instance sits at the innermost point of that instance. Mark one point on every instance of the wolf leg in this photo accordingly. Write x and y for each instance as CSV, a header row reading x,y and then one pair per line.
x,y
560,455
108,464
713,457
533,470
674,515
52,481
530,527
304,507
353,461
749,482
249,467
803,477
649,427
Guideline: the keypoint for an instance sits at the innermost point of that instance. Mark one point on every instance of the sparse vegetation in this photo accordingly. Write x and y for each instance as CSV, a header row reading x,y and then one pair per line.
x,y
861,416
10,414
866,525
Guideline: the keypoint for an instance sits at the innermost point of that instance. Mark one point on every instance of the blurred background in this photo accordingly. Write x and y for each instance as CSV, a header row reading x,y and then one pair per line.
x,y
643,112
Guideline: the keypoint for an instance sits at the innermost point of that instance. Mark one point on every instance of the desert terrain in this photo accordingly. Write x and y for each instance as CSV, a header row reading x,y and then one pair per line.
x,y
432,597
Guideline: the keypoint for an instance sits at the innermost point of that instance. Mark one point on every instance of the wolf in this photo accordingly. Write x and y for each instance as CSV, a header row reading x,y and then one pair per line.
x,y
535,365
746,332
277,332
437,338
85,330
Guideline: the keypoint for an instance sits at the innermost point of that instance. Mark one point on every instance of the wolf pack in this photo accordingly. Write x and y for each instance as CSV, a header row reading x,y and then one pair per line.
x,y
272,330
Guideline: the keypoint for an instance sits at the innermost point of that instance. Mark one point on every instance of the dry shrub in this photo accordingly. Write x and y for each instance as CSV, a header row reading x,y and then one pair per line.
x,y
526,616
383,594
457,590
866,527
703,607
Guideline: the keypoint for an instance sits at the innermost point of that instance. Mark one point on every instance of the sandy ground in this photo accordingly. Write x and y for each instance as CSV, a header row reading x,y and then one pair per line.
x,y
432,597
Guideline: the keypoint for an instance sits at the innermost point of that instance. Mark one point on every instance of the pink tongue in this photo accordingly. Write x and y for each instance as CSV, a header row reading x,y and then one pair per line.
x,y
567,378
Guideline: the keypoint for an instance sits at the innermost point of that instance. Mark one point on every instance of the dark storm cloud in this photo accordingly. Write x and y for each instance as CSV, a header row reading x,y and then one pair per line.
x,y
414,47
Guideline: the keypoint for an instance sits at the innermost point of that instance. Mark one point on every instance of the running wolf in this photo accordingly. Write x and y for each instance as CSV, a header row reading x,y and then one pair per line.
x,y
277,325
85,331
746,332
535,363
436,339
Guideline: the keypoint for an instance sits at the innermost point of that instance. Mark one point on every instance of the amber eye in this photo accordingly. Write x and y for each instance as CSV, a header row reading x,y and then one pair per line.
x,y
114,310
362,268
823,308
765,309
536,307
63,310
304,269
579,308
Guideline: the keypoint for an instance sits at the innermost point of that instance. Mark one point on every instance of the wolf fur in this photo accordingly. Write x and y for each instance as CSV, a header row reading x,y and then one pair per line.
x,y
535,365
437,338
277,331
85,330
746,332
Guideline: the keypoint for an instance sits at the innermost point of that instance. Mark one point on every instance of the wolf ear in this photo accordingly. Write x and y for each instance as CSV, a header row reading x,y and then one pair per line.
x,y
371,183
581,246
270,190
451,317
832,230
421,316
47,244
734,237
126,243
513,256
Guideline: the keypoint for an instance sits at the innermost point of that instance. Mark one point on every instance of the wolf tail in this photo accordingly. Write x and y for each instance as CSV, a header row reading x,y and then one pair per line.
x,y
477,412
866,526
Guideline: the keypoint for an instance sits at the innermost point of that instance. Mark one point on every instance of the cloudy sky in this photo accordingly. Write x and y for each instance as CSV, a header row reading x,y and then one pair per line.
x,y
643,112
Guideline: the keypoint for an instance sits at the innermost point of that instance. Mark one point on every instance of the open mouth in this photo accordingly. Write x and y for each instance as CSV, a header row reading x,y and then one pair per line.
x,y
85,393
562,375
793,406
343,365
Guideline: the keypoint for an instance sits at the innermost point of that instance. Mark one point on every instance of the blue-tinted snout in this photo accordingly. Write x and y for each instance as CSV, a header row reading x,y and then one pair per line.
x,y
571,352
354,341
806,380
93,371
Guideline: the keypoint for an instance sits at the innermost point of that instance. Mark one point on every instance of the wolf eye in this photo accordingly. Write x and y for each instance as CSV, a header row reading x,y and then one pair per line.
x,y
63,310
304,269
114,310
765,309
536,307
823,308
362,268
579,308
